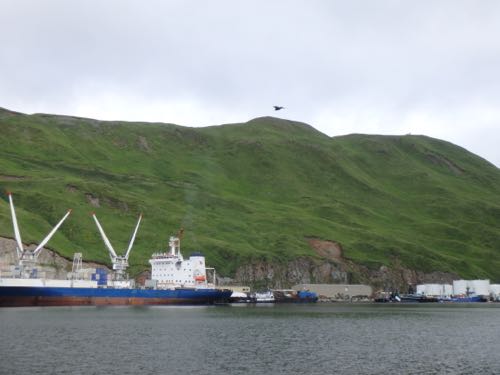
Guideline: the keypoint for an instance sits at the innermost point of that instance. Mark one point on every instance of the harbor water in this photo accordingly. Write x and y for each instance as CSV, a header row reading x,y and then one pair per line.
x,y
252,339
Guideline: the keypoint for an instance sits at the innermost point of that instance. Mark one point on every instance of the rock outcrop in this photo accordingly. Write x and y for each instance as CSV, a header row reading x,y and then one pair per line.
x,y
50,264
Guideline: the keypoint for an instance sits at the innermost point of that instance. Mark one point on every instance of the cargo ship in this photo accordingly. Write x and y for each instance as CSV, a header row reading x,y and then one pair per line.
x,y
174,280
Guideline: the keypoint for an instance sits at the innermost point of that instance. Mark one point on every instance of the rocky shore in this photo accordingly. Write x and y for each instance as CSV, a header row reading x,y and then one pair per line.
x,y
329,267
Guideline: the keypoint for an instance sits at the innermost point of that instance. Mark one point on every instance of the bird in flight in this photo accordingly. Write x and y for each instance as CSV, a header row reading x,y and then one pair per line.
x,y
277,107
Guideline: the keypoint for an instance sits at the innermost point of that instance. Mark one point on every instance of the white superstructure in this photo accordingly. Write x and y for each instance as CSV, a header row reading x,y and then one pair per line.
x,y
170,269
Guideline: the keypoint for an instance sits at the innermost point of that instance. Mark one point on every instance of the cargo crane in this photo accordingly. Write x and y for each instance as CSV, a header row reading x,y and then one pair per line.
x,y
27,259
120,262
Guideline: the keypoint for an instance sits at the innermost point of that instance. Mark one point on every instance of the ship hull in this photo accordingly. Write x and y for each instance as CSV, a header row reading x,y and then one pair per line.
x,y
52,296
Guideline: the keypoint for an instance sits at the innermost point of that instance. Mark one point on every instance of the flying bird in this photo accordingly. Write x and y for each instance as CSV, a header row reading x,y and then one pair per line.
x,y
277,108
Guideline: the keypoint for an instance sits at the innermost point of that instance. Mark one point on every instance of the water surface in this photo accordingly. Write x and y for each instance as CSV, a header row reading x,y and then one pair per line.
x,y
262,339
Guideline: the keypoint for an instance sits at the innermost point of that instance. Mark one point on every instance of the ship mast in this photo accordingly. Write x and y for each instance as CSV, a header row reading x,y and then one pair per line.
x,y
120,262
27,259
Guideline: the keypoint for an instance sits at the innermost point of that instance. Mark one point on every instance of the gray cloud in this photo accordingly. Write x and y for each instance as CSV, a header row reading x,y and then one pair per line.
x,y
386,67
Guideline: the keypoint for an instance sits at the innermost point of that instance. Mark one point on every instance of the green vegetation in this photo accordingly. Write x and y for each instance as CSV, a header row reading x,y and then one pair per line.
x,y
250,191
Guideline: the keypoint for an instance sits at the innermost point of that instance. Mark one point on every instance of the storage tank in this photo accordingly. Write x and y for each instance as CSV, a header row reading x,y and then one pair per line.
x,y
480,287
433,290
421,289
495,290
448,290
459,287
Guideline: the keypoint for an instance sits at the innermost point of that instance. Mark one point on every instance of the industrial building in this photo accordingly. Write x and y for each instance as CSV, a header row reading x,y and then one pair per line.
x,y
337,292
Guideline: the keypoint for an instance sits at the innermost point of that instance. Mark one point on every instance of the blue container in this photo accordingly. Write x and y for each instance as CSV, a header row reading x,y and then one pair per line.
x,y
101,276
307,295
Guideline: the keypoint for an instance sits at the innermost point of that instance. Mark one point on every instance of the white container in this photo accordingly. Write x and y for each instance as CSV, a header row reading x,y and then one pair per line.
x,y
459,287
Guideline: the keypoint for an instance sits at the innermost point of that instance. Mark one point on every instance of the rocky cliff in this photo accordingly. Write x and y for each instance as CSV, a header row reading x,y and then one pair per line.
x,y
51,264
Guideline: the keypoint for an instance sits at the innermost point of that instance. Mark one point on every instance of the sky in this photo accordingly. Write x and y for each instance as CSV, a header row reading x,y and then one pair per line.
x,y
375,67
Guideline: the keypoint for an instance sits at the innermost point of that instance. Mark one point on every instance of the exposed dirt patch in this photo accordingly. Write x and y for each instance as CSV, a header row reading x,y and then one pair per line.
x,y
72,188
116,203
94,201
108,201
441,160
326,249
143,144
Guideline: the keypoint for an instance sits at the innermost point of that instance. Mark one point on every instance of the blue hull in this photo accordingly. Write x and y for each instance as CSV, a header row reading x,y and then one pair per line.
x,y
468,299
56,296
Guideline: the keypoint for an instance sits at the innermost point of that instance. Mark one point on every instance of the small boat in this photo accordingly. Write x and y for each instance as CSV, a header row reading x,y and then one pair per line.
x,y
239,297
405,298
419,298
290,295
263,297
467,299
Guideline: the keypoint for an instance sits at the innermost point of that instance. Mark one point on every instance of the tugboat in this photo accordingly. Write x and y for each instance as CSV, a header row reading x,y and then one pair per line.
x,y
404,298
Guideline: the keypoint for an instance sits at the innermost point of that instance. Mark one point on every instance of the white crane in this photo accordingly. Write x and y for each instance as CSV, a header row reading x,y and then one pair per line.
x,y
27,259
120,262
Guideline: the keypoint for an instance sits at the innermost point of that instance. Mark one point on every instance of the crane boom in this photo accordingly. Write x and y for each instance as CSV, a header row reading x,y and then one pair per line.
x,y
112,252
38,249
17,234
131,243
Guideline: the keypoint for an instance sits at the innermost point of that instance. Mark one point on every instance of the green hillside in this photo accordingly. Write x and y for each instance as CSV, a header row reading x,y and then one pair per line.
x,y
251,191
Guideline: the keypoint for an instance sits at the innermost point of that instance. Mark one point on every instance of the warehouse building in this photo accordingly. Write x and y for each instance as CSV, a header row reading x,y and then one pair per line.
x,y
337,292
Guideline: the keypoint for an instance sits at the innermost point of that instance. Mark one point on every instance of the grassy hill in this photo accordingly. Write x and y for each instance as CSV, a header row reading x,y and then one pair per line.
x,y
251,191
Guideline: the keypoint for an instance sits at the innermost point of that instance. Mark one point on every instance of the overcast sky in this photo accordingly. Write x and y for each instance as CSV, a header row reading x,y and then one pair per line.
x,y
377,67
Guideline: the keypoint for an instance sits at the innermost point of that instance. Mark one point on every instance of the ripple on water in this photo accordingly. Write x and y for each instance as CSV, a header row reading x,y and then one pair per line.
x,y
273,339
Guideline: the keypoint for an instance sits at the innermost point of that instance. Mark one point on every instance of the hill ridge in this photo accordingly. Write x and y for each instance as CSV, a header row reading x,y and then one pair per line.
x,y
252,192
